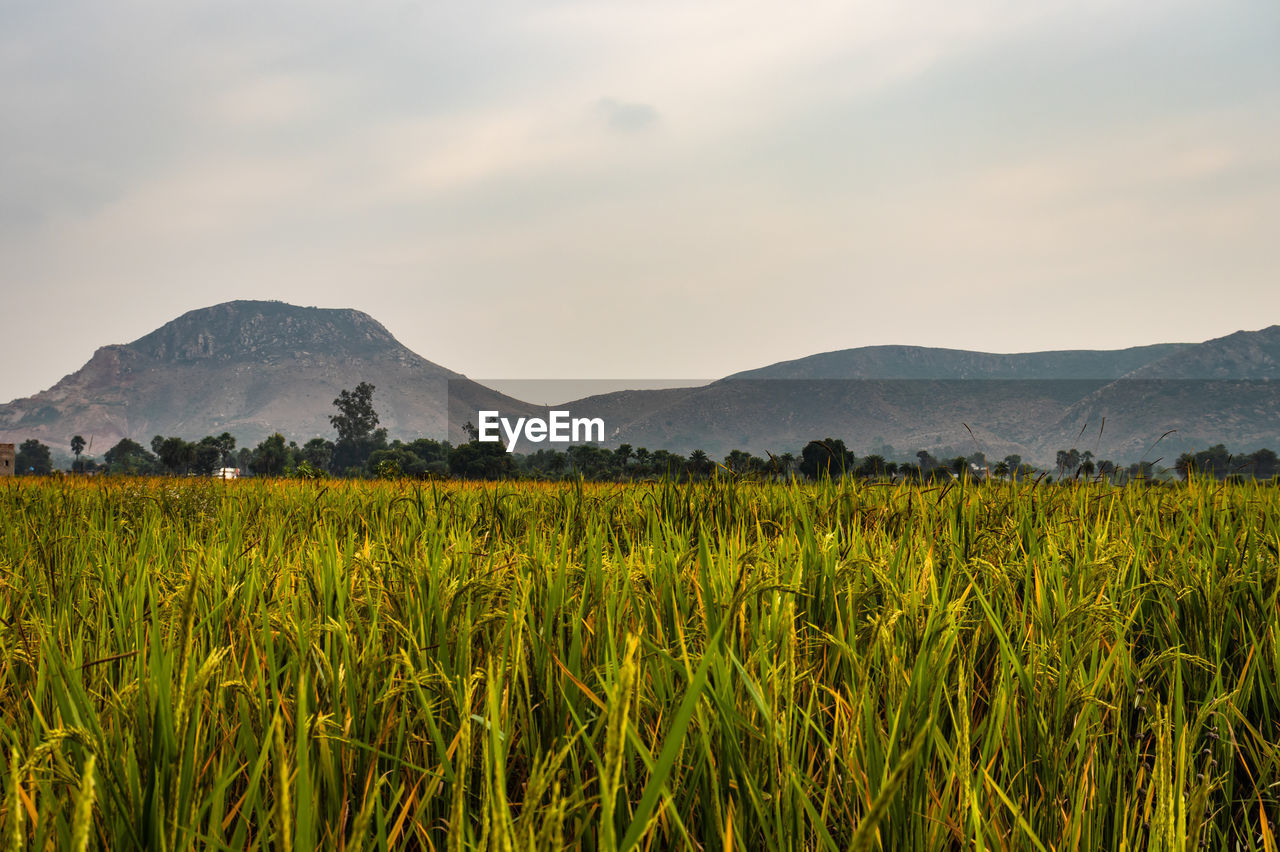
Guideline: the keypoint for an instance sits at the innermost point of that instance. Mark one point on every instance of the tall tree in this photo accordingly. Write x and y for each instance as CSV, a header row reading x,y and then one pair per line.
x,y
621,456
738,462
1087,467
175,453
227,447
77,447
873,466
318,452
356,424
270,456
129,457
1265,464
206,456
785,462
356,419
700,464
826,459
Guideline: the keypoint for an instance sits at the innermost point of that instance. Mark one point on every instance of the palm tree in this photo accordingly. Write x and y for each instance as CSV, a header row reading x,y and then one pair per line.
x,y
699,463
77,447
226,448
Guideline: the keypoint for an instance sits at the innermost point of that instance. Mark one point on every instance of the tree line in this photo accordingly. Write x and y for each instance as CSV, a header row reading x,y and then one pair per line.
x,y
1218,463
361,449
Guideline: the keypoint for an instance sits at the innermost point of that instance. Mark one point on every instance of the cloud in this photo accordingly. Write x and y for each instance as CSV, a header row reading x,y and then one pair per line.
x,y
443,161
625,117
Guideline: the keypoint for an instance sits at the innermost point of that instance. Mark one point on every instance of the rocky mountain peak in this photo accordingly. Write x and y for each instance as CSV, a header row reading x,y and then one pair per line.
x,y
247,367
265,332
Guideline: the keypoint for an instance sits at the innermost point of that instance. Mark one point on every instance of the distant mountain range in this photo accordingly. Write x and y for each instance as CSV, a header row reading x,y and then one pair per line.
x,y
253,368
1117,404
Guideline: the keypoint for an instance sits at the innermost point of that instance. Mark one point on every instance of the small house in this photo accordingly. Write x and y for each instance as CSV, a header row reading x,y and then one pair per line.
x,y
7,459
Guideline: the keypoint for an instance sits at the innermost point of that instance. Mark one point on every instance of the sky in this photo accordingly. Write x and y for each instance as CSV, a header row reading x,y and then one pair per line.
x,y
667,189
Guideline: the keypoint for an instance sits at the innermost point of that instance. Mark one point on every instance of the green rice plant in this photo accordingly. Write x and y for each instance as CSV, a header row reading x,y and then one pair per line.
x,y
720,665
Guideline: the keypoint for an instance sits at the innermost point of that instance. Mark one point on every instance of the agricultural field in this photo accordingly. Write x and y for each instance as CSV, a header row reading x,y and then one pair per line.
x,y
722,665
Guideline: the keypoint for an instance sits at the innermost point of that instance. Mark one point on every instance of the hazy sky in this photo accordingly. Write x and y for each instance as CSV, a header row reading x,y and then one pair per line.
x,y
656,189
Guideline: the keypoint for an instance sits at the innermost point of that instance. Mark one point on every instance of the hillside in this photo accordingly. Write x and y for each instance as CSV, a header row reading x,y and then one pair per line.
x,y
1222,390
249,368
956,401
252,368
921,362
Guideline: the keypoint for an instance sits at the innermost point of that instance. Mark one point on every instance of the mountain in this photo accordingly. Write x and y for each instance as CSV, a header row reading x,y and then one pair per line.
x,y
921,362
1250,355
252,368
1116,403
249,368
952,416
1224,390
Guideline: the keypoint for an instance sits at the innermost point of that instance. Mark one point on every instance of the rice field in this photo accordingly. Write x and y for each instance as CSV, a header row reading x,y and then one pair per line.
x,y
294,665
